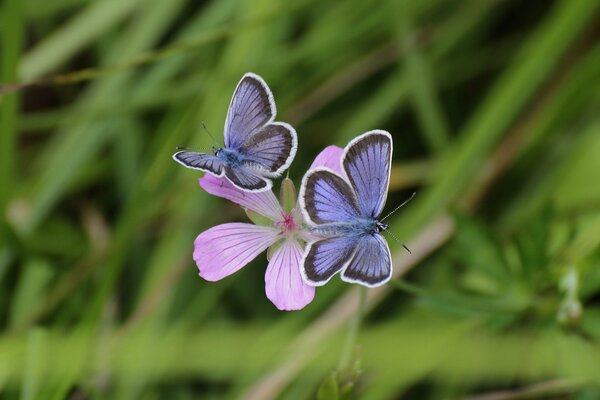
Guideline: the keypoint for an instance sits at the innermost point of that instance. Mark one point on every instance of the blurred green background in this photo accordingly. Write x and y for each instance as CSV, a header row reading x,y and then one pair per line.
x,y
493,106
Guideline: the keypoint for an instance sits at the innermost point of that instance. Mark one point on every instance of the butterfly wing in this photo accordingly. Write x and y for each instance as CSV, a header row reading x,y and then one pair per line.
x,y
371,264
325,258
202,161
326,197
273,146
251,108
250,130
247,178
367,162
265,148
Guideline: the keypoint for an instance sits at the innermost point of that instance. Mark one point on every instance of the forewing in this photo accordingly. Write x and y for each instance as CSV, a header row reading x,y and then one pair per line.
x,y
367,163
325,258
326,197
273,146
251,108
201,161
247,179
372,262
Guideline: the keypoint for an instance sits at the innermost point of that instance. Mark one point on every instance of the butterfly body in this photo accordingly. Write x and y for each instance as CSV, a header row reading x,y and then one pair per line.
x,y
343,210
230,158
256,148
360,226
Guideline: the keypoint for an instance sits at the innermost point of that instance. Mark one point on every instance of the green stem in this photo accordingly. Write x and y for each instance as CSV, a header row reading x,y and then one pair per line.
x,y
346,357
11,19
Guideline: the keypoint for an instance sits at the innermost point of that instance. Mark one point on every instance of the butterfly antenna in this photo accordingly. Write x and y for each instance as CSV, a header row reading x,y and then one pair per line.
x,y
209,134
398,240
190,148
400,206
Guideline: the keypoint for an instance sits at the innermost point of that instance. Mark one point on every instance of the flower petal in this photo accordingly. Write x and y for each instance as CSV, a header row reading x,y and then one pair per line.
x,y
264,203
283,282
224,249
330,157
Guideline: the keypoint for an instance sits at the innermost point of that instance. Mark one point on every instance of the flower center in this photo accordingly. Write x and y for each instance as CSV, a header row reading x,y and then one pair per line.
x,y
287,224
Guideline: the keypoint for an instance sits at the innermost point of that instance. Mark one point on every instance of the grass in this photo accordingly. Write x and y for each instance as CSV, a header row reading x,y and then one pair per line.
x,y
492,106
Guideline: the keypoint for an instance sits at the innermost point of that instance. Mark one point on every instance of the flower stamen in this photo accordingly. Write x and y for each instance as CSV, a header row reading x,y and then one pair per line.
x,y
287,224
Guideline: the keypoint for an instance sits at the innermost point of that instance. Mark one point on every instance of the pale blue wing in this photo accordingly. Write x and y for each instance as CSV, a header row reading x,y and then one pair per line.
x,y
371,264
326,197
273,147
325,258
202,161
247,178
367,162
251,108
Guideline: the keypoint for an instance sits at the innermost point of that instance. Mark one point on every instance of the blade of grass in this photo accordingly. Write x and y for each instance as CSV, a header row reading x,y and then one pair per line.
x,y
35,276
425,101
386,100
422,88
536,59
562,108
430,346
41,11
75,146
11,42
32,377
81,30
151,23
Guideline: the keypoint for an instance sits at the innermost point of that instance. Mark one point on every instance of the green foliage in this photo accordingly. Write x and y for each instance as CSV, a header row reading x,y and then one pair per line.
x,y
258,219
329,389
493,109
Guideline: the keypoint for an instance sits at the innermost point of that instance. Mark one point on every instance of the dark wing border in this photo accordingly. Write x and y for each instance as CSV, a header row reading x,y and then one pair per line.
x,y
356,258
181,158
342,261
282,164
352,149
306,190
270,99
236,175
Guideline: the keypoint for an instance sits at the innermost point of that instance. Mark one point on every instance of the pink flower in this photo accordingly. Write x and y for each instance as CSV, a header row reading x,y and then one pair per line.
x,y
224,249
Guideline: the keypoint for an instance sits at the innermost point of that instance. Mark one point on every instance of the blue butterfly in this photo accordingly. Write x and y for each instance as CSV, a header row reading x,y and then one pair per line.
x,y
256,148
343,212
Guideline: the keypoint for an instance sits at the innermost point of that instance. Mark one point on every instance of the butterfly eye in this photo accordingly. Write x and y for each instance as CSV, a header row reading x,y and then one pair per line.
x,y
381,227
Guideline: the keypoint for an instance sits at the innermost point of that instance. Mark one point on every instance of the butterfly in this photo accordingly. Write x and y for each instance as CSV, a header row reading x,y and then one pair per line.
x,y
343,212
256,148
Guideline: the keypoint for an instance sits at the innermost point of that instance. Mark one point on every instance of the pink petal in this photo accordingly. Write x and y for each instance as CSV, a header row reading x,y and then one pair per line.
x,y
283,282
264,203
330,157
224,249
